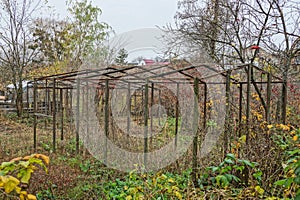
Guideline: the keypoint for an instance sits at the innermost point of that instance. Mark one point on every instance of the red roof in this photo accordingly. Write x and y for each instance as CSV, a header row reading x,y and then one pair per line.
x,y
149,61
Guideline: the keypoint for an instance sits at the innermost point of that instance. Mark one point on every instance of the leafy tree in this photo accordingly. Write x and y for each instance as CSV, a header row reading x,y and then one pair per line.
x,y
51,40
121,57
88,33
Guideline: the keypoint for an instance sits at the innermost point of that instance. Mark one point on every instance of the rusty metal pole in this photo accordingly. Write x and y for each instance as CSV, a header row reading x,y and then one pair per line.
x,y
27,100
248,102
159,104
62,115
106,118
34,113
176,114
151,111
205,108
77,114
87,111
195,130
268,111
54,115
128,108
240,108
146,124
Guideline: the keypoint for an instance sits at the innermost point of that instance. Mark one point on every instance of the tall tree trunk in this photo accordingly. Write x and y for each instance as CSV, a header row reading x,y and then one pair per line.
x,y
19,99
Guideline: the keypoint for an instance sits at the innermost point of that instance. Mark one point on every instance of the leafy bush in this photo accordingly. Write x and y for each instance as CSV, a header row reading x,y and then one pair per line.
x,y
148,186
290,144
16,174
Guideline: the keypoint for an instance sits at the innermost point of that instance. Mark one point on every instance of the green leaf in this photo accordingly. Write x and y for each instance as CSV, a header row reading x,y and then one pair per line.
x,y
289,181
229,161
27,175
294,152
280,182
231,156
297,171
250,164
214,169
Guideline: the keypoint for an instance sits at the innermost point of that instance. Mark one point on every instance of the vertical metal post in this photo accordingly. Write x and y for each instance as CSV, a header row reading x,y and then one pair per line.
x,y
70,112
176,114
77,114
128,108
62,115
248,102
54,115
159,103
268,111
240,108
205,108
106,118
227,114
146,124
195,129
135,107
27,99
151,111
87,110
34,113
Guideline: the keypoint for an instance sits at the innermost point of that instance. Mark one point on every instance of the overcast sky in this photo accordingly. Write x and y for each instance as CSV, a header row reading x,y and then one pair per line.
x,y
127,15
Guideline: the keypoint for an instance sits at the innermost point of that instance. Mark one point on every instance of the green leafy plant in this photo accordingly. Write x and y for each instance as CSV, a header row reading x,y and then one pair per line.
x,y
148,186
18,172
291,179
223,175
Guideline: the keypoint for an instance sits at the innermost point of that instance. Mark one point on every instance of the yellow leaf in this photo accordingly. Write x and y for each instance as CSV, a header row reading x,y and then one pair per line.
x,y
129,197
18,190
178,195
10,184
31,197
171,180
175,188
43,157
295,138
270,126
259,190
243,139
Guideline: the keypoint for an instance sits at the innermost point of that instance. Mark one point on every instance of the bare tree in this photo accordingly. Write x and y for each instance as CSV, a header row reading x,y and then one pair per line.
x,y
15,52
225,29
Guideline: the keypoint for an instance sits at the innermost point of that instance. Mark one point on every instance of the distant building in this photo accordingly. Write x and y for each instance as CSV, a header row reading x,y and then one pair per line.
x,y
148,62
